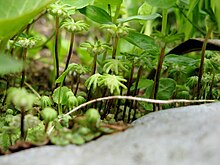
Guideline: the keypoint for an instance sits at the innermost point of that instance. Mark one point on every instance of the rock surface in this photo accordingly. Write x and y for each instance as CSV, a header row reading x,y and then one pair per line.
x,y
180,136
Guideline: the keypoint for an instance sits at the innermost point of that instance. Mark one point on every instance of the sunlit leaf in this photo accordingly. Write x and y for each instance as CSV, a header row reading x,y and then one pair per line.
x,y
161,3
180,60
15,14
96,14
166,88
78,4
140,40
139,17
62,93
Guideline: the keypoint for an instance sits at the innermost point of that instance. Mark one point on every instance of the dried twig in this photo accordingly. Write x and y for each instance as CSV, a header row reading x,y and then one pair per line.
x,y
133,98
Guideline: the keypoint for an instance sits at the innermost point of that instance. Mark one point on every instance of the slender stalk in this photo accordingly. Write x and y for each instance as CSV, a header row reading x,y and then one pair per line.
x,y
94,64
118,106
201,68
24,65
60,111
22,136
114,19
135,93
77,84
128,91
56,64
164,21
70,50
115,45
210,96
160,61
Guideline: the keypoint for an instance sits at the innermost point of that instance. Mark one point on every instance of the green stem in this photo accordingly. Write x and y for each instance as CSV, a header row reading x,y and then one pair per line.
x,y
164,21
60,111
201,68
118,7
210,96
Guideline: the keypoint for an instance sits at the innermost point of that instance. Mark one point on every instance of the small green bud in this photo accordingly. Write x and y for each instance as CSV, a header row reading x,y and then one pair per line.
x,y
61,10
116,30
45,102
95,48
74,27
93,116
9,111
72,101
81,100
26,42
49,114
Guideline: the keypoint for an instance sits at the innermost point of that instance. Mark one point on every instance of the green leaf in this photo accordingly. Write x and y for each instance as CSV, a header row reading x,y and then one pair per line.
x,y
105,3
181,60
15,14
64,74
166,88
217,13
63,95
165,4
78,4
139,17
143,84
96,14
9,65
142,41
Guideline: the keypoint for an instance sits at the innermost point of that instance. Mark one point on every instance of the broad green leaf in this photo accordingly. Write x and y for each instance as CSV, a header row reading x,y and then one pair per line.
x,y
9,65
96,14
78,3
15,14
63,96
165,4
140,40
139,17
145,9
143,84
167,87
192,5
217,13
108,2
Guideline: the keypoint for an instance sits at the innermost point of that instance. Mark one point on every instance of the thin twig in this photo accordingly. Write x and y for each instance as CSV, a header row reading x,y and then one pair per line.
x,y
132,98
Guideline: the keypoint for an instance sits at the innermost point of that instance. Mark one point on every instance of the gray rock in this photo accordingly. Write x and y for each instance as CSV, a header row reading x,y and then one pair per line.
x,y
180,136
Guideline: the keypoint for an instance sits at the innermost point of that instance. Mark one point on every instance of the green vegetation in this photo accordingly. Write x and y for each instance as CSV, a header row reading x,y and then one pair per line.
x,y
58,58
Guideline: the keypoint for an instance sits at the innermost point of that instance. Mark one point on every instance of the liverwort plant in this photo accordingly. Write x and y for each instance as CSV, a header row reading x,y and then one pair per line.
x,y
23,101
25,43
95,49
73,27
58,10
117,31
